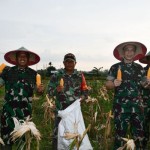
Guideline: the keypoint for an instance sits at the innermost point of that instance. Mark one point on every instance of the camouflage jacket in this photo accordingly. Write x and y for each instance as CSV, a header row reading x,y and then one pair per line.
x,y
19,87
127,97
131,77
72,88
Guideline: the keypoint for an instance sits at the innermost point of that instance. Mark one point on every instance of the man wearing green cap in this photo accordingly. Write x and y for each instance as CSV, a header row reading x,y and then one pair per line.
x,y
67,93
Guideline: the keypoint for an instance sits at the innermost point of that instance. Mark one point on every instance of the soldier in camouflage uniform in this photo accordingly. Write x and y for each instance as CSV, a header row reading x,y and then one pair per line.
x,y
146,98
68,93
127,104
19,81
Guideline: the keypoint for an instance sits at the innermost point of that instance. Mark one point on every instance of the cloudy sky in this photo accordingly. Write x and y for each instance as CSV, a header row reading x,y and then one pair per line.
x,y
90,29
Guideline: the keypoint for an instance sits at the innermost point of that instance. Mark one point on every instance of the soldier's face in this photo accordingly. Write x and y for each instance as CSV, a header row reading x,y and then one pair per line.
x,y
129,52
22,59
69,65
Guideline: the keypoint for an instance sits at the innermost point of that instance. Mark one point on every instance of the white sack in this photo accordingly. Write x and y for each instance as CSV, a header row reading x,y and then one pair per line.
x,y
70,117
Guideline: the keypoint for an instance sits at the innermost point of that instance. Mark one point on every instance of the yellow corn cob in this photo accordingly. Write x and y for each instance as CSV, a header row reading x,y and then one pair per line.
x,y
148,73
2,66
61,82
119,74
38,80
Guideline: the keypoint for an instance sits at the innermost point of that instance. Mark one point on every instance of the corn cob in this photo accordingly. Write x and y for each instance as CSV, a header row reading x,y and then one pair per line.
x,y
61,82
119,74
2,66
38,80
148,73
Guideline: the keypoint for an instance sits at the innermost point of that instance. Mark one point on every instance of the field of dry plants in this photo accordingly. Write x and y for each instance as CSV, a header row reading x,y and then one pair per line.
x,y
96,112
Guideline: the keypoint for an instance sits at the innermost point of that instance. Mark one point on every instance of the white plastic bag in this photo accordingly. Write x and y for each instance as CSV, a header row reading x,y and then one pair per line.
x,y
72,122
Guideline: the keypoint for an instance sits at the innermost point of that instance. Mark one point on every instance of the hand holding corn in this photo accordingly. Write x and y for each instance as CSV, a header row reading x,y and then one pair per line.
x,y
40,86
60,87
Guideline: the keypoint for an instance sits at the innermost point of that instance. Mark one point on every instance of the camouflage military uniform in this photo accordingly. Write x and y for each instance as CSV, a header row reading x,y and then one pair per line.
x,y
19,86
72,91
146,98
128,104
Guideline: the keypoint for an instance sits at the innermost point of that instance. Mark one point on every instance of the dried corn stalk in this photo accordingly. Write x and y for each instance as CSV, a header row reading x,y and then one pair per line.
x,y
130,145
95,116
26,128
69,135
48,109
84,133
103,93
35,97
92,100
78,138
108,124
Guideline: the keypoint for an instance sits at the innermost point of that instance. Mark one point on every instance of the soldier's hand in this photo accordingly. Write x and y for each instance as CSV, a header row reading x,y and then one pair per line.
x,y
117,82
60,88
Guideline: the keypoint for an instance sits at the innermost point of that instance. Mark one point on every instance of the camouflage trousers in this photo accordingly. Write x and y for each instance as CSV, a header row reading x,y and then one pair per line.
x,y
129,124
146,125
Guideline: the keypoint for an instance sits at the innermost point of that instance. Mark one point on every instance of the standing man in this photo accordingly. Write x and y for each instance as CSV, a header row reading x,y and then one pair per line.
x,y
146,98
127,104
20,82
72,89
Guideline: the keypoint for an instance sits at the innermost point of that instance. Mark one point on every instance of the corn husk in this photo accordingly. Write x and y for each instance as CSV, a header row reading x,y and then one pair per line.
x,y
48,109
50,102
104,93
108,124
130,145
78,138
35,97
69,135
90,99
26,128
95,115
2,142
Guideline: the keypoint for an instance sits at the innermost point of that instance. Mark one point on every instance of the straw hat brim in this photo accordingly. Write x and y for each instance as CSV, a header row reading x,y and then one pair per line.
x,y
10,57
144,59
140,50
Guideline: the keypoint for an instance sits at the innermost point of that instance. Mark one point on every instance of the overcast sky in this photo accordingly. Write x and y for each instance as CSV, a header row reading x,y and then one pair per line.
x,y
90,29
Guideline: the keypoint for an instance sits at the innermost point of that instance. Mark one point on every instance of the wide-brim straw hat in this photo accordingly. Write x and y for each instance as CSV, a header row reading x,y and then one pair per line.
x,y
139,53
10,56
144,59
